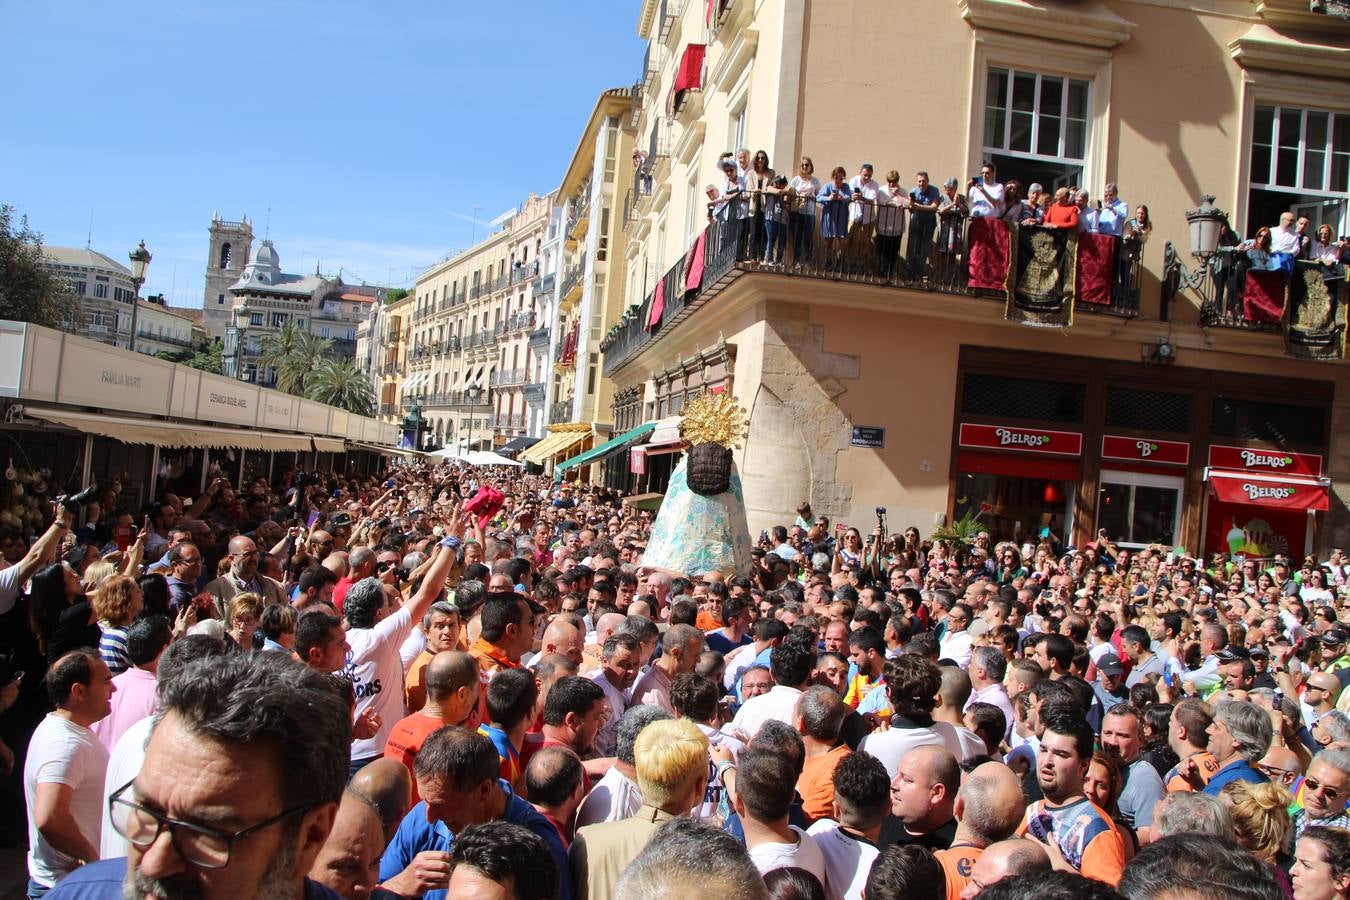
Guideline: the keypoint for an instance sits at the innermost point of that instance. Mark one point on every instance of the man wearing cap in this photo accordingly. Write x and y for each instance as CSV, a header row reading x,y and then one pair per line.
x,y
1110,684
1261,662
1235,664
1333,649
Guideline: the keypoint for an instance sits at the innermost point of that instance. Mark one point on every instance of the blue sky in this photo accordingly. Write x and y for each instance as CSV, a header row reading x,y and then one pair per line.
x,y
372,130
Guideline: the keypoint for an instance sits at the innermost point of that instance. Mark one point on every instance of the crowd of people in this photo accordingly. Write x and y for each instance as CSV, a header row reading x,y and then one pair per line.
x,y
456,682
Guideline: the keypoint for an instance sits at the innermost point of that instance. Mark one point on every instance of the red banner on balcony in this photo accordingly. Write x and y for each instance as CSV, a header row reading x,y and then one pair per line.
x,y
1263,297
1274,462
1170,453
989,254
1096,267
658,305
1021,440
693,263
1266,490
689,77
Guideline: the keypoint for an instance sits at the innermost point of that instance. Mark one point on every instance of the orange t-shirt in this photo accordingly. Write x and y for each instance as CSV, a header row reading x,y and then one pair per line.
x,y
1205,762
1061,216
706,621
957,863
816,784
407,738
415,685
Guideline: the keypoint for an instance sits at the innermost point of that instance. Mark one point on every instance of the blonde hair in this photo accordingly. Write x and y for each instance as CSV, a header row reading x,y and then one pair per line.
x,y
670,755
113,599
244,605
96,573
1260,814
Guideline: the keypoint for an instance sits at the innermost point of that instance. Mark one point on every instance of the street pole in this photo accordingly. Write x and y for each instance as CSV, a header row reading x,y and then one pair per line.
x,y
140,258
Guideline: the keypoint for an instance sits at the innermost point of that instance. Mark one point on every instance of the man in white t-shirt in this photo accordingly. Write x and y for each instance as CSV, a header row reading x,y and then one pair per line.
x,y
765,786
617,795
985,194
377,627
63,775
912,683
848,842
792,663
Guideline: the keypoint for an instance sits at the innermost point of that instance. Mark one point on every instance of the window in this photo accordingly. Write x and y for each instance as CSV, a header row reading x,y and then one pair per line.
x,y
1035,126
1300,162
611,148
278,319
225,255
602,245
737,128
81,287
591,369
255,318
299,323
100,290
220,299
325,331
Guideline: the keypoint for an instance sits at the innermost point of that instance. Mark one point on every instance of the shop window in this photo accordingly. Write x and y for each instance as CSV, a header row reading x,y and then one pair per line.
x,y
1036,126
999,396
1019,509
1148,410
1137,509
1282,424
1300,161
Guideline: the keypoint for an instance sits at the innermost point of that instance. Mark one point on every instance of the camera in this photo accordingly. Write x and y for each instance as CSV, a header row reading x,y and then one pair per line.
x,y
382,522
305,479
73,502
881,511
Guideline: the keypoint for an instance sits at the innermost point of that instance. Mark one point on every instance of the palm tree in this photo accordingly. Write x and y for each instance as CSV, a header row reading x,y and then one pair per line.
x,y
294,353
341,383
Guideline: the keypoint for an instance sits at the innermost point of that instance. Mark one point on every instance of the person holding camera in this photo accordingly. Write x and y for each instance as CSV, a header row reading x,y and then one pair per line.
x,y
985,194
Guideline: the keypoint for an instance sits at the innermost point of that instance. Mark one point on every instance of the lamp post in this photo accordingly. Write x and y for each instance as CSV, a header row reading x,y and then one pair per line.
x,y
1205,224
140,258
472,394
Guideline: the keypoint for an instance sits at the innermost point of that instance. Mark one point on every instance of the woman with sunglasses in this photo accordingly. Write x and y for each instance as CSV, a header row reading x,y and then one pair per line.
x,y
803,188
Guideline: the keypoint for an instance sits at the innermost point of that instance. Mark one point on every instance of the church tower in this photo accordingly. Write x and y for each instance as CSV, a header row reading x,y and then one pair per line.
x,y
231,243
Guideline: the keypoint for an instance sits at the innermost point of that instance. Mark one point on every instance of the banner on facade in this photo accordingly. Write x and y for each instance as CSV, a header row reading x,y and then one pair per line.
x,y
1096,267
1264,490
988,255
1314,313
1043,276
1274,462
1146,450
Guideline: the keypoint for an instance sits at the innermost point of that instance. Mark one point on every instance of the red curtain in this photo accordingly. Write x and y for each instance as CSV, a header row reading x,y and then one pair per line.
x,y
693,263
1096,267
658,305
1263,297
988,254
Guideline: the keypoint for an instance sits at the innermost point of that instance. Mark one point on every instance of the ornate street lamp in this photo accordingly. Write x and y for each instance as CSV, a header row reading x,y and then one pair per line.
x,y
473,395
1205,224
140,259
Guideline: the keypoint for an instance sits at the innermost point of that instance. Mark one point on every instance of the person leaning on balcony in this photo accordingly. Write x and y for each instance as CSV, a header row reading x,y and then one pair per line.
x,y
924,200
804,187
891,203
1087,212
1284,237
1326,252
834,203
777,196
1014,209
758,180
730,201
952,213
1114,212
1063,213
1033,210
986,194
862,213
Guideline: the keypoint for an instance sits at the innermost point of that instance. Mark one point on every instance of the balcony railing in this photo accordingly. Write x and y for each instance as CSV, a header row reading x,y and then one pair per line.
x,y
544,286
560,412
539,337
508,420
572,278
733,248
534,393
1308,304
525,272
457,398
507,378
146,334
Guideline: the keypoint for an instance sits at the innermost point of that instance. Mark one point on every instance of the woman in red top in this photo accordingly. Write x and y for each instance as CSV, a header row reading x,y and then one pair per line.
x,y
1063,213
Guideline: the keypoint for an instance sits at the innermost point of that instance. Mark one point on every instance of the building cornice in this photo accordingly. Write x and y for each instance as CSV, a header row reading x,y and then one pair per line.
x,y
1262,47
1089,23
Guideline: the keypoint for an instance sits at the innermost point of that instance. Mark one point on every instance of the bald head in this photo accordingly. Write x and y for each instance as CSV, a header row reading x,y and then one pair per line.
x,y
990,804
361,563
606,626
562,636
933,765
641,608
243,557
387,785
1005,859
349,860
449,671
336,562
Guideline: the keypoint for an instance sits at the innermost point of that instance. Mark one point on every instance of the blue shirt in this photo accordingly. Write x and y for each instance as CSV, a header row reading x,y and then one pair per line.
x,y
103,881
927,197
415,835
1234,771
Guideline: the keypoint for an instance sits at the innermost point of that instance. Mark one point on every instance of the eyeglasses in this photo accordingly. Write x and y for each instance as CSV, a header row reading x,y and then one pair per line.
x,y
199,845
1312,785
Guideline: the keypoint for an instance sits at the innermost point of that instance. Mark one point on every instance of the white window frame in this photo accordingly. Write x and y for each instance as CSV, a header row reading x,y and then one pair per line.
x,y
1275,135
1036,115
994,49
1148,479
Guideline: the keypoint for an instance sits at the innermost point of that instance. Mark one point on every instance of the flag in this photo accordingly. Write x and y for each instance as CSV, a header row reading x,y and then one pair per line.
x,y
1096,269
988,254
1041,280
658,305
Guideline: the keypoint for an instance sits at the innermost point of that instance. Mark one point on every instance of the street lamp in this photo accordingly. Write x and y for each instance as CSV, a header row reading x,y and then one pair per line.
x,y
140,258
1205,224
473,395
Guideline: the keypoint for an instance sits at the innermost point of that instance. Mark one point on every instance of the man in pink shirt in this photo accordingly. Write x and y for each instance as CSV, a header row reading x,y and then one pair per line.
x,y
134,698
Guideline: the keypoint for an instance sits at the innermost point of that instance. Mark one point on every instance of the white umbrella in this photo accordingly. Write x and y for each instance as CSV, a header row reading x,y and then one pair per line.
x,y
488,458
446,453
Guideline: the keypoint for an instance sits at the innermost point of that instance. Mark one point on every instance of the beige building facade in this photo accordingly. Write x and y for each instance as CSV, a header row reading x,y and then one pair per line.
x,y
474,364
1136,415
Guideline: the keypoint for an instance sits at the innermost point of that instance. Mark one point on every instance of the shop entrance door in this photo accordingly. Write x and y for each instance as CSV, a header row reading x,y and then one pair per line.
x,y
1137,509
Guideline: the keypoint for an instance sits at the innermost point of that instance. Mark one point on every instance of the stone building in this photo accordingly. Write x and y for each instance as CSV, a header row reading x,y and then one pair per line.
x,y
230,246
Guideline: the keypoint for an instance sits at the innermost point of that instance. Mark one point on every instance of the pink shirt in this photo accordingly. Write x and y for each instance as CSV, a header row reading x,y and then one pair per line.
x,y
133,700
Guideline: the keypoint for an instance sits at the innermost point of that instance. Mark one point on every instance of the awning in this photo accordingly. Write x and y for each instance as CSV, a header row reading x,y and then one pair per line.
x,y
608,448
551,446
376,448
1280,491
416,381
650,502
329,445
157,433
518,443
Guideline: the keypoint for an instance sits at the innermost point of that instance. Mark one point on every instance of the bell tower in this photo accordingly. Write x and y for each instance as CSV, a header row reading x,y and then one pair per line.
x,y
231,243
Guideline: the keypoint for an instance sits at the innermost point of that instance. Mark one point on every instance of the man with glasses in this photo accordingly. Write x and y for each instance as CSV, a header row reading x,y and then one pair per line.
x,y
243,577
956,641
1319,696
1321,798
185,569
217,810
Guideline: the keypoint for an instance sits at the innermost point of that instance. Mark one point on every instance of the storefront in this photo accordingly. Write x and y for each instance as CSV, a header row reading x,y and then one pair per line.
x,y
1198,460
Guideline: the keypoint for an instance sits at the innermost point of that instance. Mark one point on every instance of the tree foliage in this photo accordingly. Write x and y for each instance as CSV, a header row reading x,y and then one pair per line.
x,y
206,356
295,354
341,383
29,291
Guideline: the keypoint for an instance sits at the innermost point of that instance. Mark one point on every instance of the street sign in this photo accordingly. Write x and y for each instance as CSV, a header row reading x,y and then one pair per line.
x,y
868,436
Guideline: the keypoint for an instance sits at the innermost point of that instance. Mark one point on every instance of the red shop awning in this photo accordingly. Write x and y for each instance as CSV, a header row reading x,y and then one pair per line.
x,y
1279,491
689,77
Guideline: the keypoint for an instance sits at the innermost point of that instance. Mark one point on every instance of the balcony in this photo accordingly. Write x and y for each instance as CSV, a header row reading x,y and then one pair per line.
x,y
560,412
390,368
571,281
525,272
388,409
456,398
579,214
538,338
729,253
507,378
508,420
667,17
534,393
146,334
651,68
500,283
544,286
1307,309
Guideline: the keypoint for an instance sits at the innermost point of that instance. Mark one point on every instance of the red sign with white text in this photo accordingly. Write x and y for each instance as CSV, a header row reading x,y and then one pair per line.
x,y
1283,493
1274,462
1021,440
1170,453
